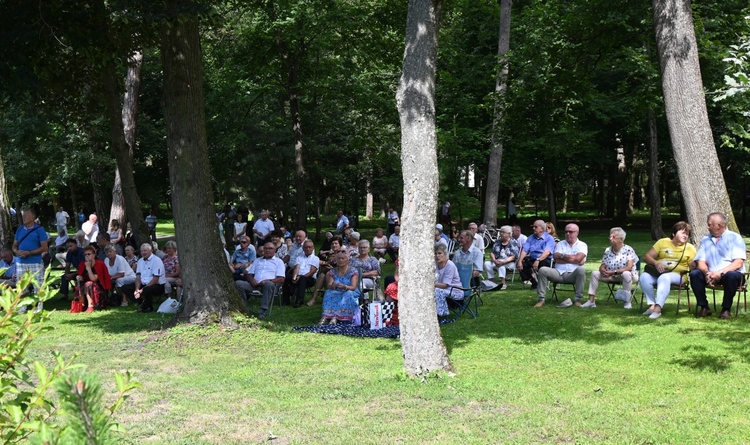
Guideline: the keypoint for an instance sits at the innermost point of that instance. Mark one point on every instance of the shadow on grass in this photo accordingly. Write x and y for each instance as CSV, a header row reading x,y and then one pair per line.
x,y
115,320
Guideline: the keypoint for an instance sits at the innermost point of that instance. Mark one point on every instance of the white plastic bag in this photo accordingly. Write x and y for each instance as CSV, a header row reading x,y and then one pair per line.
x,y
170,306
376,315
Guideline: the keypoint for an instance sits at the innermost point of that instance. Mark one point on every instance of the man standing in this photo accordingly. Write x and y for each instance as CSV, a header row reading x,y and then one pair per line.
x,y
537,252
342,223
150,279
721,261
264,274
570,256
151,222
30,243
62,219
263,227
393,220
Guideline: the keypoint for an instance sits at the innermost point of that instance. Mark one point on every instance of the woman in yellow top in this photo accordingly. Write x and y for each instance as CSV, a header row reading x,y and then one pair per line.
x,y
671,257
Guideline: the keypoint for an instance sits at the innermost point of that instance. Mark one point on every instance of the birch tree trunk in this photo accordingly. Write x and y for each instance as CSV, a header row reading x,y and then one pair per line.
x,y
6,225
501,85
701,179
207,282
421,343
129,114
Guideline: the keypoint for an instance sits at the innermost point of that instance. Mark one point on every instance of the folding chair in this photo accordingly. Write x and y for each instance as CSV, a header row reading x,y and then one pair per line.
x,y
472,293
611,283
741,291
452,246
276,293
684,286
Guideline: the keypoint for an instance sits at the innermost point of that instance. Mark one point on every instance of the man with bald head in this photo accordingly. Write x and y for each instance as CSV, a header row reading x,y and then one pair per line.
x,y
569,257
537,252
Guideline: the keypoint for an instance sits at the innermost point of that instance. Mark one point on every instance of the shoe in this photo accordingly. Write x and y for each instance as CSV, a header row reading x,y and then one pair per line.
x,y
297,304
566,303
591,304
628,306
125,304
577,303
39,307
322,321
334,321
533,287
504,287
311,303
89,310
725,315
262,313
648,312
146,310
654,315
704,312
539,303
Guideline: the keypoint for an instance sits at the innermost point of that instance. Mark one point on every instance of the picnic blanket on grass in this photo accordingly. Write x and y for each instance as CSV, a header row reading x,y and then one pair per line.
x,y
352,331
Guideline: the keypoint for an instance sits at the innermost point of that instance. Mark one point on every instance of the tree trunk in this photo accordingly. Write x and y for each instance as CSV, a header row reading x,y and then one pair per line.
x,y
549,186
622,187
501,85
654,189
421,343
129,114
701,179
101,203
206,280
6,225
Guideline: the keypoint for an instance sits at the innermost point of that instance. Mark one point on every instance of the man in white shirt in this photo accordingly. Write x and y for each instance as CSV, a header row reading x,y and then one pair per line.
x,y
91,228
304,273
569,257
518,236
394,241
264,274
62,219
149,279
262,228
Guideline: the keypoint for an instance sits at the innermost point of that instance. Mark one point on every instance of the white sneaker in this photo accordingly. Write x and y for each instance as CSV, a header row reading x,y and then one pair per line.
x,y
39,307
628,306
648,312
504,287
654,315
591,304
566,303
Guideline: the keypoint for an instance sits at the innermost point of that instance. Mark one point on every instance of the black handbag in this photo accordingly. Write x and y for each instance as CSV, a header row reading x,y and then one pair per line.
x,y
654,272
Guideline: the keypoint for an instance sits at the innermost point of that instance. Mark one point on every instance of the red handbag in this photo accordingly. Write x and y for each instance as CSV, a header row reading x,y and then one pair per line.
x,y
76,306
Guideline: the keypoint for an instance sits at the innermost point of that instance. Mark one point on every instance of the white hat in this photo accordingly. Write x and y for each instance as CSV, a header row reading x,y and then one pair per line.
x,y
439,227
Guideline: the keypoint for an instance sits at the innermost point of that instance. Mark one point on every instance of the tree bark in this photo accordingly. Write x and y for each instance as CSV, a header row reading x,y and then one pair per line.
x,y
210,294
100,200
654,189
549,187
6,225
421,343
701,178
501,86
129,119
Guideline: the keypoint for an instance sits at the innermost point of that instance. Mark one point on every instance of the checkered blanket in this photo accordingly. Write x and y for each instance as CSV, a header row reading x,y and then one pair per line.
x,y
343,328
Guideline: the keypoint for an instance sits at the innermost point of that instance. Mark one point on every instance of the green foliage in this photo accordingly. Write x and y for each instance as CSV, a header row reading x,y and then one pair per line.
x,y
26,410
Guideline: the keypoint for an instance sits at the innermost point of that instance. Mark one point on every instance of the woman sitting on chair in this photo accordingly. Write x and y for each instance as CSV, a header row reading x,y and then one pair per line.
x,y
93,279
447,281
172,268
327,262
341,299
379,244
670,257
617,267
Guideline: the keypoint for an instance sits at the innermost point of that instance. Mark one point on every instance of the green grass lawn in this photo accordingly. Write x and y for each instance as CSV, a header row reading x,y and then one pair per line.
x,y
523,375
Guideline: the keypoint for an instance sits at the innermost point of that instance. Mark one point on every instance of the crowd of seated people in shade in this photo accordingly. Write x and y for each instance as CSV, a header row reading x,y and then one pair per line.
x,y
102,268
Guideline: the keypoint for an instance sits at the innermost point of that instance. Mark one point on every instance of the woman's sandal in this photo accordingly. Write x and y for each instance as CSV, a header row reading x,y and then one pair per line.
x,y
312,302
333,321
322,321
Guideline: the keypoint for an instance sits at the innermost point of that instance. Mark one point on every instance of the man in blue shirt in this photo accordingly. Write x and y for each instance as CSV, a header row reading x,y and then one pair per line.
x,y
536,253
8,262
30,242
243,257
342,223
73,258
721,261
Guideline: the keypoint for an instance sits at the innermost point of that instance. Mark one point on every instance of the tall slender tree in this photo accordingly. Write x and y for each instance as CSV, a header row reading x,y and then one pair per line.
x,y
210,291
701,177
422,345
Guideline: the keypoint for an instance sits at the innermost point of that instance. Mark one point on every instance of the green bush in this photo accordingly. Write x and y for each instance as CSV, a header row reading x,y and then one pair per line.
x,y
26,409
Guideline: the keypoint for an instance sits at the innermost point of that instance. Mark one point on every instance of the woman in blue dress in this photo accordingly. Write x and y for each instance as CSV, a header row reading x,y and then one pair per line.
x,y
341,300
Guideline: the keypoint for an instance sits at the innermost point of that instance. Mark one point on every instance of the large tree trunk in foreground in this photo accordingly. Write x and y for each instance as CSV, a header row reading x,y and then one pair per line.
x,y
129,114
701,179
421,343
654,187
501,85
210,294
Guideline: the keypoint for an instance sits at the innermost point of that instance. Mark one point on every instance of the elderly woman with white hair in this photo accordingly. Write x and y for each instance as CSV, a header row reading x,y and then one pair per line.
x,y
617,267
503,256
369,265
